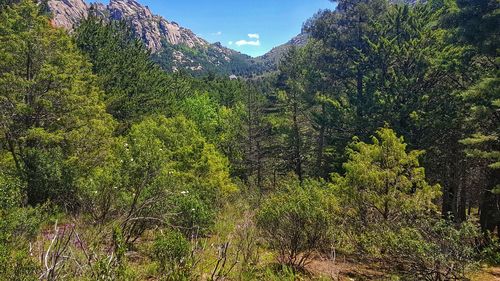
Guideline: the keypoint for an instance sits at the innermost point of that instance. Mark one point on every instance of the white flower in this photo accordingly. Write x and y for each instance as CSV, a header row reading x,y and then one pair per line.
x,y
184,192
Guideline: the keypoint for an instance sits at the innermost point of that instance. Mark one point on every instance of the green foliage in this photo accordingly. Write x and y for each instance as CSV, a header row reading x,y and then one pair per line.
x,y
484,143
173,252
383,182
17,265
10,192
176,147
491,253
298,221
192,215
435,250
483,100
476,23
170,174
281,273
393,216
52,120
428,70
18,226
220,125
132,83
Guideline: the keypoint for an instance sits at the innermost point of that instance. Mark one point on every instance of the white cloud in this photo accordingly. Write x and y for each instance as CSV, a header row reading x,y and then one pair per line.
x,y
254,35
255,42
249,43
218,33
230,42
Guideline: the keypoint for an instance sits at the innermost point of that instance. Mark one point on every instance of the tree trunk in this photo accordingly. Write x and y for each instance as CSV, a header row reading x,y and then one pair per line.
x,y
321,146
297,143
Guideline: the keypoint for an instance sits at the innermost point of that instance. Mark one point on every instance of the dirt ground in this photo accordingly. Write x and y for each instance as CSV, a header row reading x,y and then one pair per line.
x,y
345,270
489,274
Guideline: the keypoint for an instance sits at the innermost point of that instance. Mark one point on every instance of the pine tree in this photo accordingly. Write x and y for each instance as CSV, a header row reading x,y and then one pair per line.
x,y
52,119
476,24
133,83
384,182
484,104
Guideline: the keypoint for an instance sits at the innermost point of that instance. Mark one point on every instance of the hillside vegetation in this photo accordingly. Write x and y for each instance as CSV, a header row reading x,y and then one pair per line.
x,y
372,153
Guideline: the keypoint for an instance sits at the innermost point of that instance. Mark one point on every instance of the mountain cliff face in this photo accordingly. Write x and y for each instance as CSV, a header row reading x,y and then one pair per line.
x,y
172,46
153,30
68,13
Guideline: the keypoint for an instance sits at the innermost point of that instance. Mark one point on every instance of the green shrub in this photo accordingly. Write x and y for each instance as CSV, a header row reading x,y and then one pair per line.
x,y
170,175
16,264
433,249
192,215
172,251
491,253
17,227
298,221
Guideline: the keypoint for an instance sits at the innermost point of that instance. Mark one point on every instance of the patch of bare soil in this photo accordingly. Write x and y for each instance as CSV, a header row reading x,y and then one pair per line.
x,y
349,270
346,270
489,274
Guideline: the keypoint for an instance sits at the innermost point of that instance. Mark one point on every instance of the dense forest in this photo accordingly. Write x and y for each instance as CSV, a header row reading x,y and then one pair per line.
x,y
372,154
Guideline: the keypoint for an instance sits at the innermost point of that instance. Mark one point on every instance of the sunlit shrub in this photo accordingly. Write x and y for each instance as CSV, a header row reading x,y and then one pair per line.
x,y
298,221
171,250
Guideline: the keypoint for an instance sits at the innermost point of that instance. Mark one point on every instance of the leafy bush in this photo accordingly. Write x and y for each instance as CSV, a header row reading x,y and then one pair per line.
x,y
171,250
16,264
298,221
192,215
434,250
390,206
491,253
17,227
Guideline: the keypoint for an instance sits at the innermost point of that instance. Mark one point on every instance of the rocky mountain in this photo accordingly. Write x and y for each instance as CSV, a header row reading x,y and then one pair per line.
x,y
172,46
153,30
68,13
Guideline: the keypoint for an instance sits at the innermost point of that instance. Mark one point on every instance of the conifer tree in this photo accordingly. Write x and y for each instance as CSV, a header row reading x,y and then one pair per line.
x,y
52,119
133,83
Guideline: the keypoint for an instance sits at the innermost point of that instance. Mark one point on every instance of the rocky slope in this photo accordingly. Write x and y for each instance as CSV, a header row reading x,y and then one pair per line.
x,y
153,30
68,13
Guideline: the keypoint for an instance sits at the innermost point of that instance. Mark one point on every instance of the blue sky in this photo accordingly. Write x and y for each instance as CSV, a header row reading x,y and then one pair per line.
x,y
252,27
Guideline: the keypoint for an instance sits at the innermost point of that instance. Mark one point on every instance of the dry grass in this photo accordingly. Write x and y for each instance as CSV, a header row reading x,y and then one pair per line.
x,y
487,274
